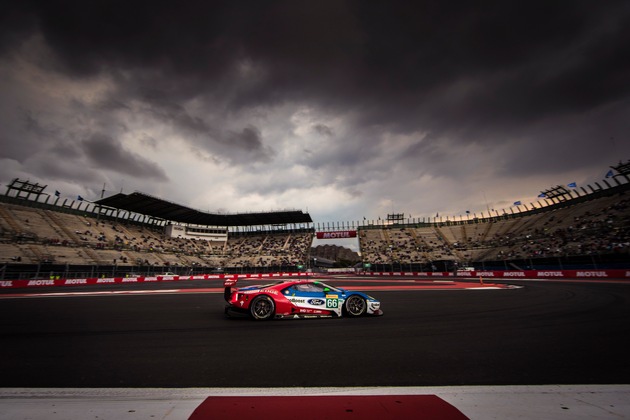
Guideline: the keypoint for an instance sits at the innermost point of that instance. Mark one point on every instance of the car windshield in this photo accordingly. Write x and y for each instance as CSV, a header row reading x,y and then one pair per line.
x,y
327,286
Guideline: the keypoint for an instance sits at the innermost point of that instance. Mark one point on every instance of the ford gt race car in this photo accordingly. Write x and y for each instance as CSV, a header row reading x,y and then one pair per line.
x,y
297,299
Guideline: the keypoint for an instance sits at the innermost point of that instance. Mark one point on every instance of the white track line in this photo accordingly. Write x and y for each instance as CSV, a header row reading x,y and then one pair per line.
x,y
552,402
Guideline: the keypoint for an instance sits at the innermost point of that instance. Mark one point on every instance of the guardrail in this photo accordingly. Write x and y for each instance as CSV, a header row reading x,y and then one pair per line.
x,y
515,274
473,275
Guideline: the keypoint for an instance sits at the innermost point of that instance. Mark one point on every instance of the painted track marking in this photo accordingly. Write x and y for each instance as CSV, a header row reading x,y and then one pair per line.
x,y
437,285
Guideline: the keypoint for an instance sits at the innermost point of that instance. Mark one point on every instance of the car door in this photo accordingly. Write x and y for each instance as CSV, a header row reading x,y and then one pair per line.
x,y
313,298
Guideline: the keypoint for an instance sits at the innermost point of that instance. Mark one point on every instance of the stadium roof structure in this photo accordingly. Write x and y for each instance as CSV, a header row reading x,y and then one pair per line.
x,y
151,206
556,192
622,168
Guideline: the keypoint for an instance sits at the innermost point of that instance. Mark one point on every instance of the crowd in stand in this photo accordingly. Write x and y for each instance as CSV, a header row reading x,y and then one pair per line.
x,y
590,233
106,242
592,228
600,226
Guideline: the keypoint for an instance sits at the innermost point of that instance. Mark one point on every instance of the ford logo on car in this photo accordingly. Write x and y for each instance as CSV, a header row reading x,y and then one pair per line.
x,y
316,302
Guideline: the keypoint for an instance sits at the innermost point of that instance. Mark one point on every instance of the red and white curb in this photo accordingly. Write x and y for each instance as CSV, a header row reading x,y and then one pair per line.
x,y
553,402
433,285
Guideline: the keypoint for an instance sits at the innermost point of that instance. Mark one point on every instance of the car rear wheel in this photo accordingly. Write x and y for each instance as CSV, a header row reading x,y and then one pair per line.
x,y
355,306
262,308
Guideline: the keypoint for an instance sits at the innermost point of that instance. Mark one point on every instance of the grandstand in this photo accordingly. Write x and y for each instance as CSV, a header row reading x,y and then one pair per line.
x,y
129,234
40,237
569,231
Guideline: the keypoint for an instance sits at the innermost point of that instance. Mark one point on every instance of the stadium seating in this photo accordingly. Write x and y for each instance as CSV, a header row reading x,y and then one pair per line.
x,y
32,235
597,224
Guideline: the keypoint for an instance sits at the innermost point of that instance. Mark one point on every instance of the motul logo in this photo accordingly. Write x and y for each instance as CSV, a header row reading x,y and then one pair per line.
x,y
592,274
76,281
337,235
41,283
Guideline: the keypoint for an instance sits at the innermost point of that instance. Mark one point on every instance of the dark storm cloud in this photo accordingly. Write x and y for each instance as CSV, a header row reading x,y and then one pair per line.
x,y
323,130
527,59
244,145
449,78
163,108
105,153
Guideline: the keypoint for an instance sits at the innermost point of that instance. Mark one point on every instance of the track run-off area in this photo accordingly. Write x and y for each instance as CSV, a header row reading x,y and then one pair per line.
x,y
502,348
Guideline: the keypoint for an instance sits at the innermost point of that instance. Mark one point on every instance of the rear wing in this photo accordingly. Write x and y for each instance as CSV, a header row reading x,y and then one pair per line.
x,y
228,283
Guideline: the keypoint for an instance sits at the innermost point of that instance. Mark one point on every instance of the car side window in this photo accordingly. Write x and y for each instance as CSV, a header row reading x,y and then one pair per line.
x,y
290,290
317,287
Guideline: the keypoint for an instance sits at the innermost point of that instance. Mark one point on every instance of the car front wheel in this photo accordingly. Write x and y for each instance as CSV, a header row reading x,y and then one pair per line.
x,y
262,308
355,306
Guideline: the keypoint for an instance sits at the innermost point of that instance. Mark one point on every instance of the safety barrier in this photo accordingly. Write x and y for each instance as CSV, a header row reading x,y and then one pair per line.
x,y
473,275
515,274
138,279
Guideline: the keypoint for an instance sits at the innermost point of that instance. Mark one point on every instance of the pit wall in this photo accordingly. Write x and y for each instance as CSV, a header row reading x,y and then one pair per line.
x,y
602,275
516,274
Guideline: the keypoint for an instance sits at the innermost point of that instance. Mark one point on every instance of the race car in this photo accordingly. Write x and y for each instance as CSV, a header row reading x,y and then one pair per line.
x,y
297,299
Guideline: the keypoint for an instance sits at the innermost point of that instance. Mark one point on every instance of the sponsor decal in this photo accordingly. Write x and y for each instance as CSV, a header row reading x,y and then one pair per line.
x,y
513,274
592,274
310,311
270,291
316,302
296,300
41,283
485,273
332,302
549,274
464,274
99,281
6,283
76,281
130,280
337,235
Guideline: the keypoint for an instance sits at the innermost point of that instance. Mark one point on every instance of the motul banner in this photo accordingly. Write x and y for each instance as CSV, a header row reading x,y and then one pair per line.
x,y
340,234
598,275
516,274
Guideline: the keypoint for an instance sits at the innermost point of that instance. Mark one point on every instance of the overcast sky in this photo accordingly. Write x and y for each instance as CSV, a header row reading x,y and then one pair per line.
x,y
344,109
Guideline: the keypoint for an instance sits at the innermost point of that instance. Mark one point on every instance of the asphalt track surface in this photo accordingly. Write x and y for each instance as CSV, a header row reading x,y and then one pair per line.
x,y
544,333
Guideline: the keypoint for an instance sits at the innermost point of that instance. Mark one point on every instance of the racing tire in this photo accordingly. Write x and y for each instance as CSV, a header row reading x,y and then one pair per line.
x,y
262,308
355,306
